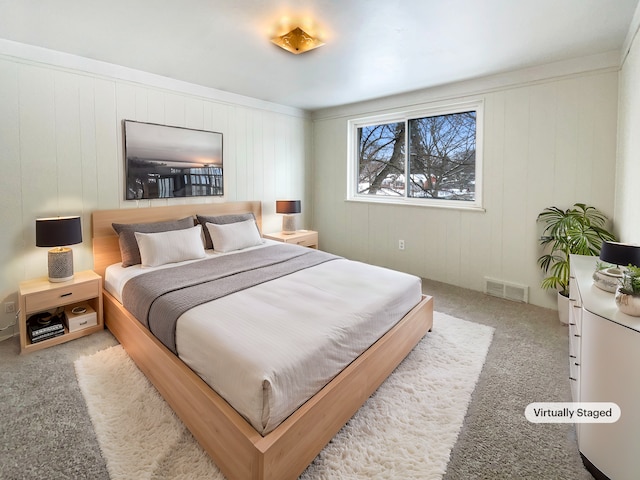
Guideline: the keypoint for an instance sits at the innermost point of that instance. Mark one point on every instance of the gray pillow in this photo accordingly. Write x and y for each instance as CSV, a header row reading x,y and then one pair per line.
x,y
221,220
129,250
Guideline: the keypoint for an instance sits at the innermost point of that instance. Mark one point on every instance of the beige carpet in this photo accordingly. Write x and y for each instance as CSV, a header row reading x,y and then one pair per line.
x,y
405,430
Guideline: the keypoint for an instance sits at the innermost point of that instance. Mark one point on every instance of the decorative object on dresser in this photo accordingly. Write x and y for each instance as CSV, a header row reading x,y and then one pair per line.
x,y
620,254
578,230
607,277
305,238
289,208
628,293
604,350
39,297
626,258
58,232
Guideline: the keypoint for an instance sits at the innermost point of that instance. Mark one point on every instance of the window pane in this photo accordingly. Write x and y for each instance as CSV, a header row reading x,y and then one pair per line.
x,y
381,160
442,161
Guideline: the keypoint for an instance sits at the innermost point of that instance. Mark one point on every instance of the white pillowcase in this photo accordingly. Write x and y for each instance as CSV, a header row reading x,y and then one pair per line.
x,y
234,236
170,247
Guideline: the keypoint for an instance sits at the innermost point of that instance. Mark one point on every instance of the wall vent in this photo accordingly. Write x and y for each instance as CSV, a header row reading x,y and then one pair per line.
x,y
506,290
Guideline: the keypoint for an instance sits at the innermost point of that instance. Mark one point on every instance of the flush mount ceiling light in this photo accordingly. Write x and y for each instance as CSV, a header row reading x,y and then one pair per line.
x,y
297,41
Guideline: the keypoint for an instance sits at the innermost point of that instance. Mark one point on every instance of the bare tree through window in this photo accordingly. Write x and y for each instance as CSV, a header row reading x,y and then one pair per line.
x,y
440,162
442,159
381,154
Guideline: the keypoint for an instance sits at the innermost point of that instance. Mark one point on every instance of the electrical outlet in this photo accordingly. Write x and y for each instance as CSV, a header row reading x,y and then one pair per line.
x,y
9,307
400,244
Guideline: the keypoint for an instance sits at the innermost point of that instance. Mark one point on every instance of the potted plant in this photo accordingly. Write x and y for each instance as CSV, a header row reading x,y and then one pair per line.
x,y
628,293
577,230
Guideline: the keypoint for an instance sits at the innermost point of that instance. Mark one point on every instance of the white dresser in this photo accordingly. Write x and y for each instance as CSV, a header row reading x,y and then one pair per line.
x,y
604,365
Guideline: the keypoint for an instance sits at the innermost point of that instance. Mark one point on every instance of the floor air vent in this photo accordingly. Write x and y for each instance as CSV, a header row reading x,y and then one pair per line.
x,y
509,291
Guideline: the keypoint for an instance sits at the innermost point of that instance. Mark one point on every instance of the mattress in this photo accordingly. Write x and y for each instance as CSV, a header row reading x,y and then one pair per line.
x,y
269,348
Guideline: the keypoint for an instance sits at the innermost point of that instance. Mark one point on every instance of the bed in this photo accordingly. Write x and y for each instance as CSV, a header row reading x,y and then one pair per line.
x,y
238,448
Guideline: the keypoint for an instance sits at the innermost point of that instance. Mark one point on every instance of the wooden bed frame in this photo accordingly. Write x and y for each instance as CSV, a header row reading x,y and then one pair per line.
x,y
236,447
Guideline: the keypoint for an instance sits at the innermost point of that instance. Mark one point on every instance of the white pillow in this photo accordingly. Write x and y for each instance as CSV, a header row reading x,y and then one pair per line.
x,y
170,247
234,236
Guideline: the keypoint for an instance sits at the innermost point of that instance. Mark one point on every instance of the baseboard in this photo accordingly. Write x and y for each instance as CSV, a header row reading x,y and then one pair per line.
x,y
9,331
593,470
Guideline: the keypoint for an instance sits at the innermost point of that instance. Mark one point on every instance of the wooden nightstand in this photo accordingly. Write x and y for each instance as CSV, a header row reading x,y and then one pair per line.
x,y
306,238
39,295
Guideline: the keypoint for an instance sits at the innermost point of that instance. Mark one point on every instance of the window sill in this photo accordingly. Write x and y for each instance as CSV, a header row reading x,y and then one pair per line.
x,y
439,204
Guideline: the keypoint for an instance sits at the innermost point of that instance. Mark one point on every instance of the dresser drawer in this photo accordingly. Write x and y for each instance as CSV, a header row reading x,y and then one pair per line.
x,y
574,293
56,297
575,319
574,343
574,369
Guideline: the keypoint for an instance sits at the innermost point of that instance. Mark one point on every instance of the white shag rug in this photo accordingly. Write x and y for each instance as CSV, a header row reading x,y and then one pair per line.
x,y
405,430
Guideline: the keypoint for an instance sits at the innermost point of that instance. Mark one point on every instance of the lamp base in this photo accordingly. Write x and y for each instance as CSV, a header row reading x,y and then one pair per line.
x,y
289,224
60,264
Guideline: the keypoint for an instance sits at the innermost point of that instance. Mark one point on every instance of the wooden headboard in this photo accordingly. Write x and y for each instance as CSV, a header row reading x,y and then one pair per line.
x,y
106,249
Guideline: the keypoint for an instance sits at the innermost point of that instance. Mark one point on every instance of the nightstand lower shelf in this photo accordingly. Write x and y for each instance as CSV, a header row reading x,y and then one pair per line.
x,y
65,337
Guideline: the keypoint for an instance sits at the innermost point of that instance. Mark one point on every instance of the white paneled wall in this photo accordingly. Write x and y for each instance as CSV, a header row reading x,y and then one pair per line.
x,y
61,151
628,165
550,142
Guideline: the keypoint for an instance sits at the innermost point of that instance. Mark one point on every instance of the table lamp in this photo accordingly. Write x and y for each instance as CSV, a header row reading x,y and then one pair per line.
x,y
289,208
58,232
620,254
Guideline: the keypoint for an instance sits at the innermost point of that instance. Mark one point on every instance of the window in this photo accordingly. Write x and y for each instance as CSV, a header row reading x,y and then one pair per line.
x,y
428,157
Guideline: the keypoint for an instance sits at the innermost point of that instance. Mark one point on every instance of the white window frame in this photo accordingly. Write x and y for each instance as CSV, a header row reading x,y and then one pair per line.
x,y
476,105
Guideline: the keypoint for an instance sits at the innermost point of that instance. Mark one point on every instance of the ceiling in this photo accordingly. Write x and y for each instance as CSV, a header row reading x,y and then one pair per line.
x,y
373,48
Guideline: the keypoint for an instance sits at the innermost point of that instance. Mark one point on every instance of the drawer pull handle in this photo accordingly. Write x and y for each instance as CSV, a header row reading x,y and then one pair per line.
x,y
576,335
574,379
87,321
572,356
572,323
66,294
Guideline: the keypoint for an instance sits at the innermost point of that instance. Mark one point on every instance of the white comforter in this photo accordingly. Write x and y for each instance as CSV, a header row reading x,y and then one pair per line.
x,y
268,349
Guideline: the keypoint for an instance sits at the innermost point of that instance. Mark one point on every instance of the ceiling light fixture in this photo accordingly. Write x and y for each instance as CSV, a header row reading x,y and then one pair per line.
x,y
297,41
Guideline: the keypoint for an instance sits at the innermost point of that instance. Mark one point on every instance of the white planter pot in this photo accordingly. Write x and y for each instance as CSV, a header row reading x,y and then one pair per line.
x,y
629,304
563,308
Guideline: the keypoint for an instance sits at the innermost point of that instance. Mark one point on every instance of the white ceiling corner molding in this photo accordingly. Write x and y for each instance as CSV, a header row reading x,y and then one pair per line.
x,y
602,62
39,55
634,27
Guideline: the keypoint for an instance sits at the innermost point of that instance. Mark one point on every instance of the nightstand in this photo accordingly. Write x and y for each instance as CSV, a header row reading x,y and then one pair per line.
x,y
39,295
306,238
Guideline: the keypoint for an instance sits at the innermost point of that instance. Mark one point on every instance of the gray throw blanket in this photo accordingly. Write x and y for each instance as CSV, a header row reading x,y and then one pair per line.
x,y
158,298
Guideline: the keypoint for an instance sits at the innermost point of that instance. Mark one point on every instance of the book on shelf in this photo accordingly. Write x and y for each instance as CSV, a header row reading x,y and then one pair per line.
x,y
46,336
43,325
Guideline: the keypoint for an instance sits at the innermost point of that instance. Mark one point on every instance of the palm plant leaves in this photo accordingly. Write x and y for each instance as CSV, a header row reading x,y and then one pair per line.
x,y
577,230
